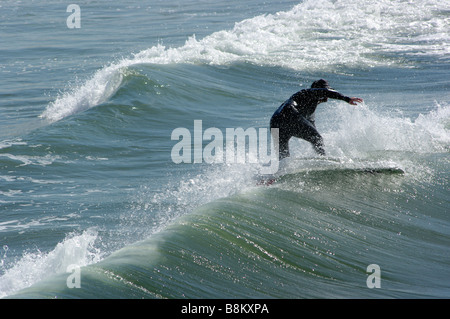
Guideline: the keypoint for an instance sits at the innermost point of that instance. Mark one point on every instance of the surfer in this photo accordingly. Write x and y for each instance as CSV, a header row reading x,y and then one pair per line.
x,y
295,117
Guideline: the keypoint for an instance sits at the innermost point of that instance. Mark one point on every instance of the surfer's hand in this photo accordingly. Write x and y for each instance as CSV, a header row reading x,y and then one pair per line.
x,y
355,100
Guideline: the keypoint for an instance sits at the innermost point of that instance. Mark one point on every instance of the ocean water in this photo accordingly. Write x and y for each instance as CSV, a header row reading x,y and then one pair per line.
x,y
93,205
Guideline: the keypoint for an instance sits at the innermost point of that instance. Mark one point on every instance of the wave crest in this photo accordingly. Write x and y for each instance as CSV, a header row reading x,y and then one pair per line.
x,y
313,36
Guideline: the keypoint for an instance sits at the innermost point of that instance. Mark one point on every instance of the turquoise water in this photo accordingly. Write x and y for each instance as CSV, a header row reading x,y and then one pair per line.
x,y
87,178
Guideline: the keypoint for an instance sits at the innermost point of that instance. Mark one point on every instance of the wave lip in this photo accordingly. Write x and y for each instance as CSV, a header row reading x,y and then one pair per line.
x,y
93,92
34,267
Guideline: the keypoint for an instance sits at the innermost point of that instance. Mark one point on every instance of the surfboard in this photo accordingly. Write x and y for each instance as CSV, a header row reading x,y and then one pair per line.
x,y
327,167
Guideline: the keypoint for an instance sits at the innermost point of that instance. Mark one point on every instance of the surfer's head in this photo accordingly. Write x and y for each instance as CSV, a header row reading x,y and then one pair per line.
x,y
321,84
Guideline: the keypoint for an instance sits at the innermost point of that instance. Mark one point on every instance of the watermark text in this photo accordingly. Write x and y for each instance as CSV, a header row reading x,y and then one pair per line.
x,y
235,146
74,279
73,20
374,279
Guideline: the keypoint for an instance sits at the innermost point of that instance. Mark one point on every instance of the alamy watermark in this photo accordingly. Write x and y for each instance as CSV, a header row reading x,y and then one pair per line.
x,y
74,279
74,19
235,146
374,279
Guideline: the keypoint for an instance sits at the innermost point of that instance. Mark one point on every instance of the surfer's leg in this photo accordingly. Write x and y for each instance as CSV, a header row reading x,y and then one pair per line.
x,y
317,142
283,137
283,145
308,132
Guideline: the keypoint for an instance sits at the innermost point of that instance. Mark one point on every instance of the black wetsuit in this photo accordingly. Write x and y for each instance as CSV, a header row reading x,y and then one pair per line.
x,y
295,117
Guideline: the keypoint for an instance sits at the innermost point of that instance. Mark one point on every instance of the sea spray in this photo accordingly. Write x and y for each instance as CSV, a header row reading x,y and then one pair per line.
x,y
34,266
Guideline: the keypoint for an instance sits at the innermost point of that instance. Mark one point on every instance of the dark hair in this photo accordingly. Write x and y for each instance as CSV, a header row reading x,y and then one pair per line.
x,y
320,84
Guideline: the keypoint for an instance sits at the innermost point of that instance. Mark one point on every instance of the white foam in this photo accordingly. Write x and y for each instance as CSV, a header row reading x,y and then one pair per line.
x,y
437,124
31,160
8,143
315,35
36,266
93,92
363,131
